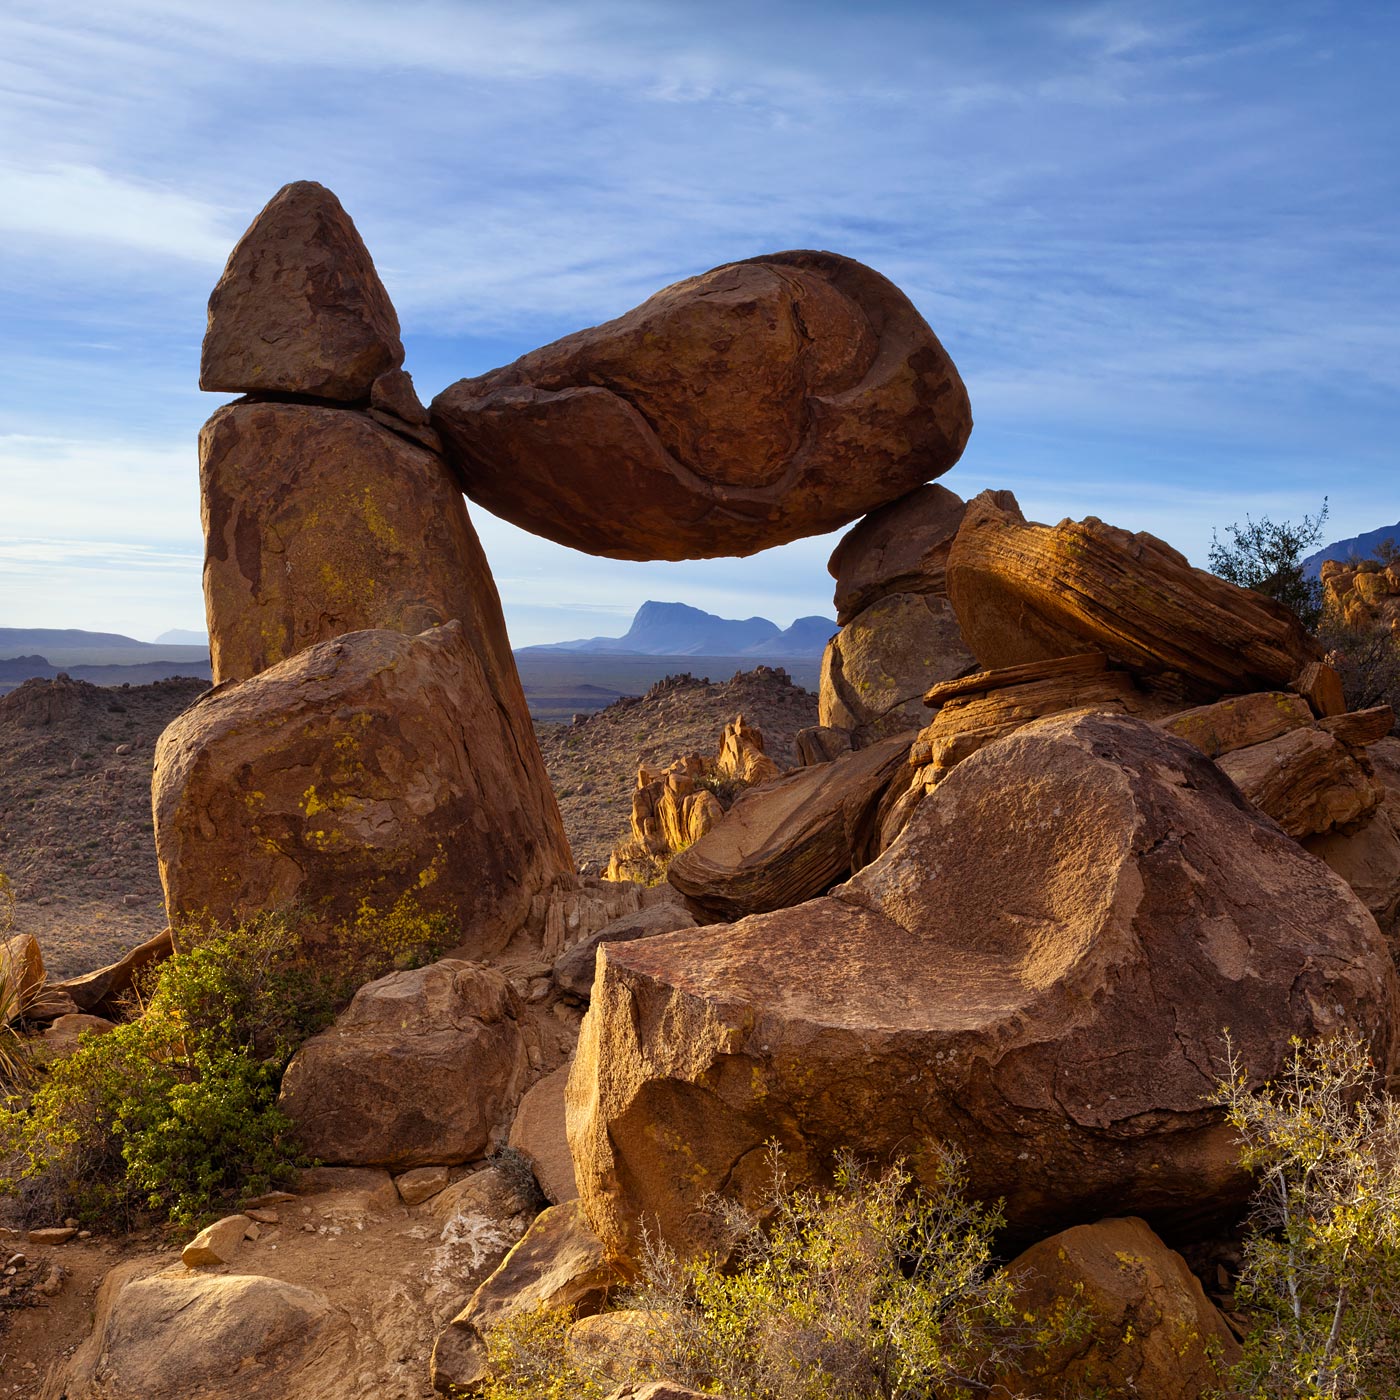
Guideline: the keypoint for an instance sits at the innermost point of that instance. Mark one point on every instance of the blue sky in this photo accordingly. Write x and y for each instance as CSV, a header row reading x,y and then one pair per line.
x,y
1160,241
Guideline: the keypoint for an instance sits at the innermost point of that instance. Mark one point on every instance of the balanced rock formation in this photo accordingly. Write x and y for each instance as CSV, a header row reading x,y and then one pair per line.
x,y
790,839
420,1069
1026,592
876,669
376,768
1147,1326
300,308
1039,973
900,548
755,404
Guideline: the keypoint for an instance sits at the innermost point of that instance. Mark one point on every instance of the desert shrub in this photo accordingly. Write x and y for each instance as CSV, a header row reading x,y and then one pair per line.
x,y
1268,558
14,1059
872,1288
1367,658
176,1111
725,786
1321,1272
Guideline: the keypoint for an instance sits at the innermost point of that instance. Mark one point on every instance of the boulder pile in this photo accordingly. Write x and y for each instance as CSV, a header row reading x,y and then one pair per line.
x,y
1019,926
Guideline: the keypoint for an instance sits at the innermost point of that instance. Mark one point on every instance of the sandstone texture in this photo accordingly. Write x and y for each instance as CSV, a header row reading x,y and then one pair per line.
x,y
537,1133
1026,592
376,767
1239,721
558,1263
420,1069
573,969
977,709
755,404
820,743
1363,597
877,668
613,1346
300,308
1307,781
1149,1329
21,972
792,838
176,1334
1040,970
901,547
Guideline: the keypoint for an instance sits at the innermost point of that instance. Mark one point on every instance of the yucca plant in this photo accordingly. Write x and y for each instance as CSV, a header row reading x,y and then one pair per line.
x,y
14,1059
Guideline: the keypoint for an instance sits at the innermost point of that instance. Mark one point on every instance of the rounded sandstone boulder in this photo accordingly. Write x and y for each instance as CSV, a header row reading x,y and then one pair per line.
x,y
1039,972
374,770
299,308
757,403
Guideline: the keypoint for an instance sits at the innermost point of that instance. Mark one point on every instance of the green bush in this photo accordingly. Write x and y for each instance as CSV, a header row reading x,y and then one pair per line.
x,y
1268,558
1321,1273
872,1290
176,1111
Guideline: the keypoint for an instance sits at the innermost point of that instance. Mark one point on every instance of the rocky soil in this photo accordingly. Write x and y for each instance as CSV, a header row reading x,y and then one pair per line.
x,y
75,814
593,763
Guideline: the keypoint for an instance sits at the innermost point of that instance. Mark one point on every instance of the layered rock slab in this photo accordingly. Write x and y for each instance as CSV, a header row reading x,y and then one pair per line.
x,y
1039,971
421,1069
376,769
792,838
760,402
300,308
1025,592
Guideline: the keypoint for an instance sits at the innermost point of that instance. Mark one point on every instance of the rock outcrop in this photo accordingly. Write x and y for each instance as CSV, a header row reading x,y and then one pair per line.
x,y
22,974
742,755
877,668
376,768
792,838
300,308
975,710
1147,1327
422,1068
760,402
1039,971
1363,596
573,969
901,547
1026,592
537,1133
669,812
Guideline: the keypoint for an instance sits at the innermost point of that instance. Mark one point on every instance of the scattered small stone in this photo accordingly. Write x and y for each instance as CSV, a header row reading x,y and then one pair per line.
x,y
55,1235
262,1215
268,1198
84,1234
122,749
421,1184
71,1223
216,1243
253,1232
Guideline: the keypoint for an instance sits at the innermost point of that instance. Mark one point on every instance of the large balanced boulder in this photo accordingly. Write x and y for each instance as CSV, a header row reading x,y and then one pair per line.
x,y
755,404
374,770
1025,592
177,1333
421,1068
900,548
299,308
792,838
876,669
1040,973
1144,1327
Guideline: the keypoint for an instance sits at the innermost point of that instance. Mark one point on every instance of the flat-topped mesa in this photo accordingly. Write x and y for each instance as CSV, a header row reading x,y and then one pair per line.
x,y
757,403
1026,592
300,308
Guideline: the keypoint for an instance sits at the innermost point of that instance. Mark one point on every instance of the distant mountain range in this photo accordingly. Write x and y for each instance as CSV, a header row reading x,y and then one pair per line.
x,y
1357,547
104,658
677,629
